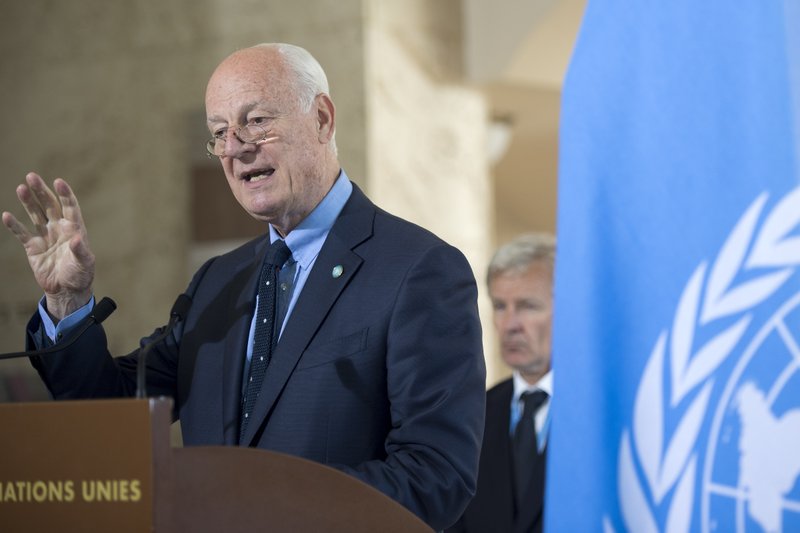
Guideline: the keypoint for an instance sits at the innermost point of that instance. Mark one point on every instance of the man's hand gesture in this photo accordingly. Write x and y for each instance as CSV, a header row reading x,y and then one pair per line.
x,y
58,247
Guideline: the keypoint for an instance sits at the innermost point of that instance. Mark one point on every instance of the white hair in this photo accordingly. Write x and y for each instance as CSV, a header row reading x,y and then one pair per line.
x,y
310,79
520,253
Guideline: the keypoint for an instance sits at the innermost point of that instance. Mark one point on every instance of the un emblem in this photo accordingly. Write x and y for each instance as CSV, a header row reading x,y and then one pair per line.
x,y
732,464
751,483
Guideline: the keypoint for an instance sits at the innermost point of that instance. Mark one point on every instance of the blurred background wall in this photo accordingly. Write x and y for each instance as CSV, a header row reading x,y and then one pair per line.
x,y
447,114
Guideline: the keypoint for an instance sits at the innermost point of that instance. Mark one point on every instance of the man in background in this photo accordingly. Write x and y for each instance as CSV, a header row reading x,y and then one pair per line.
x,y
511,475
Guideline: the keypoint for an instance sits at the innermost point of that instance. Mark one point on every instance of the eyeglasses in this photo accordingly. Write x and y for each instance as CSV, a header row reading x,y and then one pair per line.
x,y
249,134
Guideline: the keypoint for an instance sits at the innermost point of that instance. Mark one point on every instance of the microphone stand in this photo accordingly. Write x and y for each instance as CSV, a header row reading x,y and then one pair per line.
x,y
178,312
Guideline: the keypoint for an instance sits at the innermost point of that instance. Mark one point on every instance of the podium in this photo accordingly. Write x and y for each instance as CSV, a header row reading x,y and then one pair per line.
x,y
107,466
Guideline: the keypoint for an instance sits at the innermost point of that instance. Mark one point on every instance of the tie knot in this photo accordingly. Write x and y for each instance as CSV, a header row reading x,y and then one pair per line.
x,y
277,253
533,400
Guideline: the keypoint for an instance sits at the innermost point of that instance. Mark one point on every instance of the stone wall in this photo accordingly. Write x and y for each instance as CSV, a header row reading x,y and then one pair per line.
x,y
427,130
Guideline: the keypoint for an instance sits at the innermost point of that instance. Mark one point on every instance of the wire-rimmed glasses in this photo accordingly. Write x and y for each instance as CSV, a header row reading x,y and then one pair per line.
x,y
248,134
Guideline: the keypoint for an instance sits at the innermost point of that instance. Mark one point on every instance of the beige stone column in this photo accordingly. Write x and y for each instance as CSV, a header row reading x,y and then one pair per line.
x,y
426,131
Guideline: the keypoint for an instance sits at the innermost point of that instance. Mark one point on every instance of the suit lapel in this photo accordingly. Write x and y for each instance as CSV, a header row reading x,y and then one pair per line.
x,y
498,442
503,493
243,296
320,293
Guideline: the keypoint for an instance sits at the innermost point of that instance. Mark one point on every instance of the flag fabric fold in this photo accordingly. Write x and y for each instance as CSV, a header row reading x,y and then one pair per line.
x,y
677,294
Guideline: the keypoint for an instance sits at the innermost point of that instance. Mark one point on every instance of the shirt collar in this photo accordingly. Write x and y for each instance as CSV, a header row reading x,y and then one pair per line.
x,y
306,240
545,384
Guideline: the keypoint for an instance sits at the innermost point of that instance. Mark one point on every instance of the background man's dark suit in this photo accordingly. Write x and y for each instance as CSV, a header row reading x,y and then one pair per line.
x,y
520,283
492,508
378,372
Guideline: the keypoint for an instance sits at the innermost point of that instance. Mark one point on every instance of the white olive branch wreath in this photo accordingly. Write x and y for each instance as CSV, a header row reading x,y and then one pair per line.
x,y
670,462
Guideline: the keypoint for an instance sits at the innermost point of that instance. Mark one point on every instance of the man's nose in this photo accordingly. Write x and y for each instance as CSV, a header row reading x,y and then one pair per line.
x,y
234,145
510,322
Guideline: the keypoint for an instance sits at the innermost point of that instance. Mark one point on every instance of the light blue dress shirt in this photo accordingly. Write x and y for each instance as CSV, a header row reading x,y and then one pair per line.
x,y
305,241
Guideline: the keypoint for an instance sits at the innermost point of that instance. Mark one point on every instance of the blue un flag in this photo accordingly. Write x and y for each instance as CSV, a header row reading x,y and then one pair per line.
x,y
677,297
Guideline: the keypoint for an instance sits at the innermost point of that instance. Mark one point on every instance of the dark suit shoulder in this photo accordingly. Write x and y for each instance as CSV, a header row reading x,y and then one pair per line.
x,y
403,233
245,251
498,402
501,393
403,229
221,268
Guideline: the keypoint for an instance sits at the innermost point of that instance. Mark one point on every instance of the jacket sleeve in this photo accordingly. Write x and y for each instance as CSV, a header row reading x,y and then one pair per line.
x,y
86,369
436,380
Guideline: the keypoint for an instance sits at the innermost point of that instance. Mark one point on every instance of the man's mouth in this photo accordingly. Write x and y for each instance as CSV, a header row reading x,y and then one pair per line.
x,y
513,345
258,175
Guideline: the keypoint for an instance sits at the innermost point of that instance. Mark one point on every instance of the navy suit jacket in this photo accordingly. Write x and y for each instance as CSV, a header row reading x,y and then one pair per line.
x,y
379,372
492,509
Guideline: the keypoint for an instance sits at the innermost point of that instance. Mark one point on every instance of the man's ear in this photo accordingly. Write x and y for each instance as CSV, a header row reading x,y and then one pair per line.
x,y
326,118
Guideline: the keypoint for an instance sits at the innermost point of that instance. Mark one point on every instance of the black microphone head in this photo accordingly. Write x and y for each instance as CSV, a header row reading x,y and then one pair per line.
x,y
102,309
181,306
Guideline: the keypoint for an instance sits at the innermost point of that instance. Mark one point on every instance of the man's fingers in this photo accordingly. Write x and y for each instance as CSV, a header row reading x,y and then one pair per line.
x,y
47,199
80,248
19,231
43,205
69,202
28,200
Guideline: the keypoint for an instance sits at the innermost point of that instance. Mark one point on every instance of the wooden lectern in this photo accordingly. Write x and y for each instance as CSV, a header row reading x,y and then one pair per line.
x,y
107,466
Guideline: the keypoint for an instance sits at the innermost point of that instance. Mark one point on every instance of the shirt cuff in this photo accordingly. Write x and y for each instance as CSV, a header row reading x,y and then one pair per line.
x,y
57,331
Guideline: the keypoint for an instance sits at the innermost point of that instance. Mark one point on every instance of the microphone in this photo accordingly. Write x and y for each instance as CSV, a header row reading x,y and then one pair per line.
x,y
178,313
101,310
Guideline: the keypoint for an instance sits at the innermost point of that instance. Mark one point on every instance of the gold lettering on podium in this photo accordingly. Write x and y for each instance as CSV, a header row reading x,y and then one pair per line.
x,y
111,490
92,491
38,491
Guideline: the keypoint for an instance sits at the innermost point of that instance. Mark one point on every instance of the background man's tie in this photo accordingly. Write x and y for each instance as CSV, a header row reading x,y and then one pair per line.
x,y
525,448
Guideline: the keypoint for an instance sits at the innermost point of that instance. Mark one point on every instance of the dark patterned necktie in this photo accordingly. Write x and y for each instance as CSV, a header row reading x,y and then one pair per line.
x,y
266,333
524,445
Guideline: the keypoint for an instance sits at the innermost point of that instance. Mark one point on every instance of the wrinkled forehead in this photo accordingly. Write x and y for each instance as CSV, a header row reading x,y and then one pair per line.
x,y
247,77
539,269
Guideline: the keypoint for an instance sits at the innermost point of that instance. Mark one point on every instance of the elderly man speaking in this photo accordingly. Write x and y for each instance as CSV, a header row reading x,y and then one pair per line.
x,y
344,334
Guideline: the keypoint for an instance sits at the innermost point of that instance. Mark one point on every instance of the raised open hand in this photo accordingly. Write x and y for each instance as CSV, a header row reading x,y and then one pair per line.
x,y
58,247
